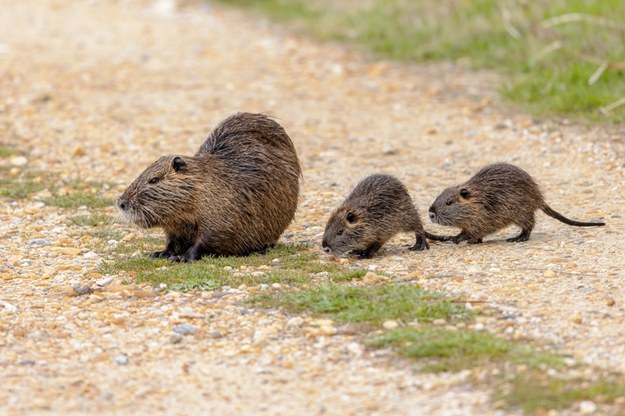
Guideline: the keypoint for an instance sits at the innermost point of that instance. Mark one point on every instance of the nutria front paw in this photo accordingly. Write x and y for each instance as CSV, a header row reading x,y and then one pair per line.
x,y
159,254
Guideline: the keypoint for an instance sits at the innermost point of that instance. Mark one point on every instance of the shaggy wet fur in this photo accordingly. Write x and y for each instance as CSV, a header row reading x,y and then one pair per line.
x,y
499,195
377,209
235,196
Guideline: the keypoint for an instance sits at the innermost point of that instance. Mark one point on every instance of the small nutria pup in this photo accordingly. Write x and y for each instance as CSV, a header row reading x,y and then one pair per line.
x,y
234,197
377,209
497,196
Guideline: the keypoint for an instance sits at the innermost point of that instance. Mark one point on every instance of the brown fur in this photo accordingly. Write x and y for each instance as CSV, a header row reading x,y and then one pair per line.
x,y
497,196
235,196
377,209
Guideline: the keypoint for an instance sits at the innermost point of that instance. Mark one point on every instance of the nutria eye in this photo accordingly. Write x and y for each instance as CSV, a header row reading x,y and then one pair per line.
x,y
154,180
339,232
464,193
351,217
451,201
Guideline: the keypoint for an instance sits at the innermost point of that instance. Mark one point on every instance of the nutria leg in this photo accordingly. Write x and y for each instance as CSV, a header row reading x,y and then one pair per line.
x,y
175,246
463,236
474,241
194,253
421,243
369,251
524,236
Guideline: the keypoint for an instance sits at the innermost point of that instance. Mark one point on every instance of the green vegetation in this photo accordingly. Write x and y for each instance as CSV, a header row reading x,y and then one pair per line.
x,y
77,193
564,57
21,186
294,265
68,195
519,372
454,350
7,150
92,220
371,305
534,391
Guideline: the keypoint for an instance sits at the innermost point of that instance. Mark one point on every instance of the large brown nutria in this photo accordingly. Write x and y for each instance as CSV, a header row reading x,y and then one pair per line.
x,y
497,196
377,209
235,196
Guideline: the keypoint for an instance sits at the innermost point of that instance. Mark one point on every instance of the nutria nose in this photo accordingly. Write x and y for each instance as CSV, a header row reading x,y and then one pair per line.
x,y
121,203
432,216
324,246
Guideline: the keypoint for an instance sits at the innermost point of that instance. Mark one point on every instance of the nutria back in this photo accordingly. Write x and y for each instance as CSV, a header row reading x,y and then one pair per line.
x,y
235,196
497,196
378,208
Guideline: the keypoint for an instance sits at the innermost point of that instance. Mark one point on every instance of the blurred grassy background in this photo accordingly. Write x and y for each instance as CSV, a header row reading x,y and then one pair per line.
x,y
558,57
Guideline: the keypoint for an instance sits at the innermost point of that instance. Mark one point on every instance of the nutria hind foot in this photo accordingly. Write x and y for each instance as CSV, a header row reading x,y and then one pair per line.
x,y
421,243
524,236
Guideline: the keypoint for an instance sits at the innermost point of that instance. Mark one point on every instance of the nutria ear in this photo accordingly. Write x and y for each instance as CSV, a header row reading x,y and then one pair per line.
x,y
464,192
178,163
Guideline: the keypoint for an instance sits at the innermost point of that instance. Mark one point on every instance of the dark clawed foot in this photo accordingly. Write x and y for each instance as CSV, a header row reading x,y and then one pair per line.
x,y
264,250
474,241
518,239
420,245
159,254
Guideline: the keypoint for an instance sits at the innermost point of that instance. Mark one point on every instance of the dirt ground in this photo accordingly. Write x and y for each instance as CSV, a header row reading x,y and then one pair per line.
x,y
95,90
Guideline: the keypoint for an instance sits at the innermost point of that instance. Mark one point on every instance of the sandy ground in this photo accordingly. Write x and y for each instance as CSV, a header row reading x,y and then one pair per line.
x,y
95,90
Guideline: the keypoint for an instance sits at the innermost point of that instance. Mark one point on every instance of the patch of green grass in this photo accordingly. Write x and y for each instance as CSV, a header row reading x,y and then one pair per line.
x,y
534,391
371,305
8,150
92,220
23,185
347,276
449,350
77,194
294,265
547,50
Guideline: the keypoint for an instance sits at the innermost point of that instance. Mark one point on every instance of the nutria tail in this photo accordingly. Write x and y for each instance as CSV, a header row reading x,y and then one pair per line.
x,y
547,210
435,237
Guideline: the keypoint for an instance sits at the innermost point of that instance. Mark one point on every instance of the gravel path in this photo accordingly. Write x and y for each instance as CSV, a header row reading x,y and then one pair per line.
x,y
96,90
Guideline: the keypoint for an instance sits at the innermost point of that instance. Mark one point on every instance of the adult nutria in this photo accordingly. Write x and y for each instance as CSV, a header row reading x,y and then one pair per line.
x,y
497,196
235,196
377,209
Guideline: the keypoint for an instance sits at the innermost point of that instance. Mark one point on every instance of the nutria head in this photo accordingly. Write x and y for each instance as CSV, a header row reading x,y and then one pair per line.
x,y
162,194
348,232
456,206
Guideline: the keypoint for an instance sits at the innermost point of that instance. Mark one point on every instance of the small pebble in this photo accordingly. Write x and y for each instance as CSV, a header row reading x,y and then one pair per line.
x,y
295,321
81,289
121,359
185,329
9,307
391,324
587,407
39,242
216,334
549,273
104,281
19,161
479,326
26,362
175,338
